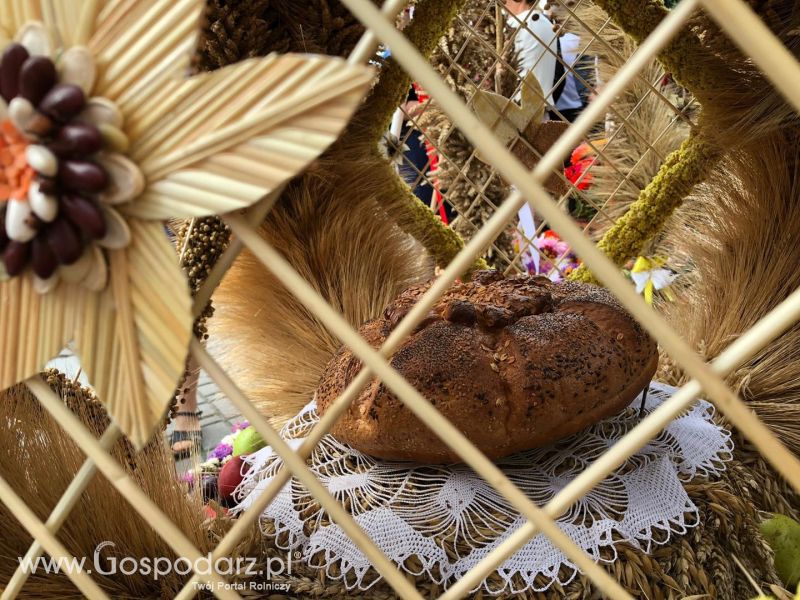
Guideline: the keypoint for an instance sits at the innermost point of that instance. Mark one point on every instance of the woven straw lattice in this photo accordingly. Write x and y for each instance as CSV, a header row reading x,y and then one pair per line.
x,y
737,20
652,118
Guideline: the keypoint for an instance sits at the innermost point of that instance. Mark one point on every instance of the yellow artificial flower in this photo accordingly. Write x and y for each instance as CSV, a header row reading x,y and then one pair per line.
x,y
649,275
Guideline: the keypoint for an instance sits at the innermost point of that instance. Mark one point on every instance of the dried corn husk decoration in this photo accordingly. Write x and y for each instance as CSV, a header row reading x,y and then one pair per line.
x,y
170,147
520,125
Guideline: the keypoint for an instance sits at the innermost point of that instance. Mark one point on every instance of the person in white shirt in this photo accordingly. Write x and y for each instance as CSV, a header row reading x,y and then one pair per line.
x,y
534,43
536,47
570,102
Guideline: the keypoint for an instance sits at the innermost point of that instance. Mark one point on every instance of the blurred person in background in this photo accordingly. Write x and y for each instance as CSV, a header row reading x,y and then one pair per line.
x,y
416,159
535,43
572,94
535,50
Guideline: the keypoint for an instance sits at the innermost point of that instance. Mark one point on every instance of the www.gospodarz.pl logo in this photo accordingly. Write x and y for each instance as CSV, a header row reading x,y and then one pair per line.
x,y
157,566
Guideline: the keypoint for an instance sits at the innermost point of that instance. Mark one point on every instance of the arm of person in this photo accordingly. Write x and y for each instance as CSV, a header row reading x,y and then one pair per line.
x,y
543,69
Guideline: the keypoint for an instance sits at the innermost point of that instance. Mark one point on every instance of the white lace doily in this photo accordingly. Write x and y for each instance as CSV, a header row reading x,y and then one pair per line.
x,y
439,521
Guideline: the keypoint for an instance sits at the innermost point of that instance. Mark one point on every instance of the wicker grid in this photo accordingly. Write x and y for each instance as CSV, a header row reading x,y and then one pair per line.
x,y
422,176
438,146
737,19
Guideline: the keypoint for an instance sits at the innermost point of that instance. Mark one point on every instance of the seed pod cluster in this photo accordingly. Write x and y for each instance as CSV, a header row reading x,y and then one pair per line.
x,y
50,175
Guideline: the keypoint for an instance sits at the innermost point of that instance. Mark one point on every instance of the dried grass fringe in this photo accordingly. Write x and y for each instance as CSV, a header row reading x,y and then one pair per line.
x,y
736,237
39,459
272,346
739,107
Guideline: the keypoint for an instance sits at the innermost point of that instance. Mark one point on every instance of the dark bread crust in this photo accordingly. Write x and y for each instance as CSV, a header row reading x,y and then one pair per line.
x,y
514,363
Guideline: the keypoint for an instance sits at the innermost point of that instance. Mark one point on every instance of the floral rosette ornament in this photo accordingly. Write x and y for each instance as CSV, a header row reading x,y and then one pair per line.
x,y
102,138
63,171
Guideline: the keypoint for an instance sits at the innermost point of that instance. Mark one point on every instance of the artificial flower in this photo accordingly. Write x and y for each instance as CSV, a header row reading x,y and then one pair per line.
x,y
578,172
650,276
102,138
559,260
221,451
549,255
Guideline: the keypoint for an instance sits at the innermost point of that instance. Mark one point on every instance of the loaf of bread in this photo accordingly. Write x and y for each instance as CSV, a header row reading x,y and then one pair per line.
x,y
514,363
